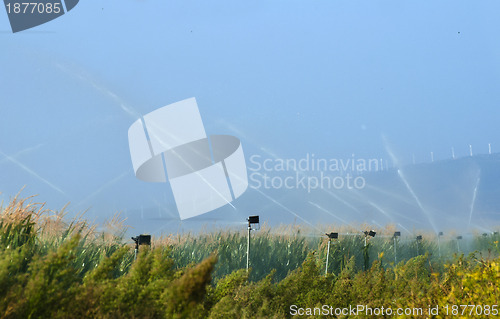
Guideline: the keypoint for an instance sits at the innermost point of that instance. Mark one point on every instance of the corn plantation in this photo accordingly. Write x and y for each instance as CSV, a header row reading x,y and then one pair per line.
x,y
53,268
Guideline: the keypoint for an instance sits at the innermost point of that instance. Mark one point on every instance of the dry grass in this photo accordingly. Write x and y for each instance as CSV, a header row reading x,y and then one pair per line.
x,y
19,209
54,225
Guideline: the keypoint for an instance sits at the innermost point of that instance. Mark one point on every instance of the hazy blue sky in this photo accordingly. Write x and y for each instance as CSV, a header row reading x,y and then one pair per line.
x,y
287,77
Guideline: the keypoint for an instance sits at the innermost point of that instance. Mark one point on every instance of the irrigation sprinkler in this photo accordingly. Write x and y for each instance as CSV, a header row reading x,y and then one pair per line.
x,y
330,237
370,233
439,243
458,245
366,256
396,234
251,221
141,240
419,238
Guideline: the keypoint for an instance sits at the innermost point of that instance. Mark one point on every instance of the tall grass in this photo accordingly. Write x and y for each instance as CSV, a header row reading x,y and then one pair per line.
x,y
282,249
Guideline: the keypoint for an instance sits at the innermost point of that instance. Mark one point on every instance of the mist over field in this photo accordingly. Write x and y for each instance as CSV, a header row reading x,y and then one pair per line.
x,y
410,86
455,194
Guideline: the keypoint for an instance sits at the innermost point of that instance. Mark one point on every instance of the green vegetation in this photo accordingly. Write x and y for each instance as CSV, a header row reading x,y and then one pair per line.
x,y
53,269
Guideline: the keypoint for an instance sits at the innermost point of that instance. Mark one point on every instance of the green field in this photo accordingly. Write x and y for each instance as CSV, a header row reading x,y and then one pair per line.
x,y
51,267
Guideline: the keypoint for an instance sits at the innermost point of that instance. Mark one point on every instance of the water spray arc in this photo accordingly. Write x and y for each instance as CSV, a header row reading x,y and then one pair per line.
x,y
417,200
473,202
330,213
407,184
31,172
404,228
